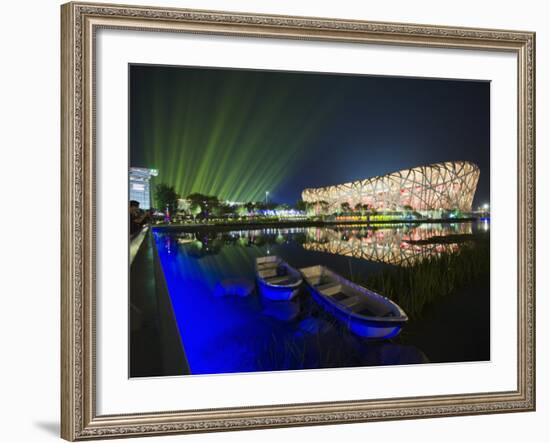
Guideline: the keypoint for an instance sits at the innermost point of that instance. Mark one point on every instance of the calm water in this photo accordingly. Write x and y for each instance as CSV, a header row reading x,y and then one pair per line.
x,y
224,333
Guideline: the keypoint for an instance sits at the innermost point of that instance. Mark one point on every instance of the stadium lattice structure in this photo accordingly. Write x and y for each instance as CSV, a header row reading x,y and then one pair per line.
x,y
439,186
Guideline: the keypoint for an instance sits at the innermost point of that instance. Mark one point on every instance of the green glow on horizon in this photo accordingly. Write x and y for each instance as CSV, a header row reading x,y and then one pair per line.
x,y
223,133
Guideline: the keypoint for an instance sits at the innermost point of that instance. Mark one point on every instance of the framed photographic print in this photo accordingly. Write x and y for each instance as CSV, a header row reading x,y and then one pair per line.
x,y
281,221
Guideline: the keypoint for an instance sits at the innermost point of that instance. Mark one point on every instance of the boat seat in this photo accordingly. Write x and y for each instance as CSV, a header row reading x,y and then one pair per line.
x,y
330,288
279,280
352,301
267,273
320,280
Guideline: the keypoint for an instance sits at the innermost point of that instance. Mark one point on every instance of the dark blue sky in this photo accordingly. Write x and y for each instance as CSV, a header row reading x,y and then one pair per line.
x,y
387,124
289,131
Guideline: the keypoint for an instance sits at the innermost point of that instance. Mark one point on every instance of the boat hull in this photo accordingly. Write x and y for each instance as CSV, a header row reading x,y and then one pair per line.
x,y
277,280
277,293
377,329
364,312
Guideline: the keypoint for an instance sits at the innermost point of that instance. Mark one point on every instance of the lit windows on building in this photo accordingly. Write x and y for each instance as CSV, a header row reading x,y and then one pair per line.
x,y
140,186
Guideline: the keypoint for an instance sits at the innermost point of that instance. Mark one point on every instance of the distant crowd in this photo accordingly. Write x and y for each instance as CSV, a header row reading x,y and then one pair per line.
x,y
138,218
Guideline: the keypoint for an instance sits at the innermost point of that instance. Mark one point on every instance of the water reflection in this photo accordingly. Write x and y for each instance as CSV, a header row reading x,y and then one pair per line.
x,y
287,310
403,245
225,326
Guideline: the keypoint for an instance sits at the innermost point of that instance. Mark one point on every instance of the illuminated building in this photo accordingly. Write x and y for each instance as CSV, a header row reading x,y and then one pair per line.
x,y
140,188
437,187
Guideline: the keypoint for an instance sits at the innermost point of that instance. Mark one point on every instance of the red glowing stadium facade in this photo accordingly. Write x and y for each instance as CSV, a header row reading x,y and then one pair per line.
x,y
437,187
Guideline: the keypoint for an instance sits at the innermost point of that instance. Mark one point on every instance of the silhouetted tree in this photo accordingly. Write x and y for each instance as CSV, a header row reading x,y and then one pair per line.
x,y
195,209
242,211
208,203
166,197
301,205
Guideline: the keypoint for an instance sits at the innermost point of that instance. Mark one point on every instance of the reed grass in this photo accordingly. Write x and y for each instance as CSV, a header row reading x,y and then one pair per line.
x,y
416,286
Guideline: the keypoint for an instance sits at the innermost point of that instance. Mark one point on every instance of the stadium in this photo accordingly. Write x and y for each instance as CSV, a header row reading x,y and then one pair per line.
x,y
437,187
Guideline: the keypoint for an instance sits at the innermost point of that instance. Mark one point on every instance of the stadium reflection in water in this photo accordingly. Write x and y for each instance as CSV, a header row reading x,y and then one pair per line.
x,y
224,333
397,246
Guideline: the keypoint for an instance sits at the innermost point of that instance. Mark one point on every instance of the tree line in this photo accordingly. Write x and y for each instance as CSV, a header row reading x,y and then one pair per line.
x,y
202,206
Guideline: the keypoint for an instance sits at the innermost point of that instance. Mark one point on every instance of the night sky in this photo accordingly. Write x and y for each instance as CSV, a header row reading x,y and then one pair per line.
x,y
239,133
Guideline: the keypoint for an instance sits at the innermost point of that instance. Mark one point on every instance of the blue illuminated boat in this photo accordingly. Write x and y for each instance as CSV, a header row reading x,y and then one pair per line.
x,y
277,280
363,312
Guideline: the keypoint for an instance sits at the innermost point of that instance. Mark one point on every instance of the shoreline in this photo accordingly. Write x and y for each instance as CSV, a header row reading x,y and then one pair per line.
x,y
302,223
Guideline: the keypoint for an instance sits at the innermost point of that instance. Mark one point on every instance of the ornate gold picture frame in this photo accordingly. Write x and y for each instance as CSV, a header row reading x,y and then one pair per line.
x,y
80,22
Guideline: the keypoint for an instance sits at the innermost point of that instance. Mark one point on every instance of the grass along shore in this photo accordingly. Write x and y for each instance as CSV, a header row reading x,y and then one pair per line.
x,y
414,287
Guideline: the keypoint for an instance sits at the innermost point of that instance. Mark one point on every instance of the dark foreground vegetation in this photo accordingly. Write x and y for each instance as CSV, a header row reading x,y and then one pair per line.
x,y
416,286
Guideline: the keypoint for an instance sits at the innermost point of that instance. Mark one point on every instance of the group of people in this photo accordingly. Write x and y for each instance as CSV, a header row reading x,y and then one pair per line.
x,y
138,217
